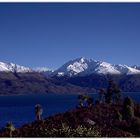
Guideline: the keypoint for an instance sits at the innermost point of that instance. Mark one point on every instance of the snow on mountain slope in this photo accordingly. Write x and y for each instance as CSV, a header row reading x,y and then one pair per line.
x,y
10,67
106,68
77,67
42,69
46,71
73,67
83,66
124,69
136,67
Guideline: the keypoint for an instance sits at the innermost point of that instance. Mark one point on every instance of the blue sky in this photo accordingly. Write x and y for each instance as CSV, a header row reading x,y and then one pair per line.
x,y
51,34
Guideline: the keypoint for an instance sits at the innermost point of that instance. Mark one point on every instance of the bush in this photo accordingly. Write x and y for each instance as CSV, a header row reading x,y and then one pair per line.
x,y
135,126
81,131
66,131
97,102
137,110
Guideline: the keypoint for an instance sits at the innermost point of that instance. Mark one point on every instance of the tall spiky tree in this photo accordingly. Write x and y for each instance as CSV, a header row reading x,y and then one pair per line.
x,y
102,93
108,95
128,108
113,92
10,128
80,101
116,93
128,101
38,111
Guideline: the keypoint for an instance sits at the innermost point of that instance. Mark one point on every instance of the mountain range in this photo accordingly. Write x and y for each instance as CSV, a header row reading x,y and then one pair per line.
x,y
10,67
83,67
76,76
77,67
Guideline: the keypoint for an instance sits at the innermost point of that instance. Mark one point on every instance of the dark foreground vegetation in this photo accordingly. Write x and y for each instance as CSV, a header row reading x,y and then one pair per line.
x,y
101,120
108,116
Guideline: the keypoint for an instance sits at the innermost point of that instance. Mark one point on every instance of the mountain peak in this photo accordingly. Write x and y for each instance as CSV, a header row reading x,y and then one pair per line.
x,y
83,66
11,67
76,67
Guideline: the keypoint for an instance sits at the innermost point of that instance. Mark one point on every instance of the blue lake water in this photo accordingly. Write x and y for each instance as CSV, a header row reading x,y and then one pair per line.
x,y
20,109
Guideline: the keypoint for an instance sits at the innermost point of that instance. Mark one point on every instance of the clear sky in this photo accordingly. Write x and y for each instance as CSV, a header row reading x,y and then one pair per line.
x,y
51,34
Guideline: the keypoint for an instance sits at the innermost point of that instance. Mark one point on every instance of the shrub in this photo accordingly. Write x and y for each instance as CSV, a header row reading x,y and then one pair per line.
x,y
66,131
97,102
90,101
135,126
81,131
137,110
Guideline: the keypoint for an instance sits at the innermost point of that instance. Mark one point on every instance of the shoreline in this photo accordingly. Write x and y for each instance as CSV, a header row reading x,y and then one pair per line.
x,y
22,94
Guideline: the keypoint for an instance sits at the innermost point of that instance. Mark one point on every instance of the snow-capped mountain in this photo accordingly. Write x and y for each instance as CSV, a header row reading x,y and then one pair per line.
x,y
42,69
10,67
77,67
46,71
124,69
83,66
136,67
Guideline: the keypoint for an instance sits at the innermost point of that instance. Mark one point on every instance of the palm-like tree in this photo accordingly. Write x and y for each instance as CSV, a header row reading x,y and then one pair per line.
x,y
10,127
90,101
85,100
38,111
80,100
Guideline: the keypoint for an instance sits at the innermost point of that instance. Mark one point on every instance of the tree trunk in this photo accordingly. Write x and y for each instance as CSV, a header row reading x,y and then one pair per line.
x,y
10,133
38,117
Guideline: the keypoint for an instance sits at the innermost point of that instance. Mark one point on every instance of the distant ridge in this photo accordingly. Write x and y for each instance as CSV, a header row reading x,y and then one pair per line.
x,y
82,67
77,67
11,67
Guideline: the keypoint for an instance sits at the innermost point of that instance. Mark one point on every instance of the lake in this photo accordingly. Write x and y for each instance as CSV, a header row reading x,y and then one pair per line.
x,y
20,109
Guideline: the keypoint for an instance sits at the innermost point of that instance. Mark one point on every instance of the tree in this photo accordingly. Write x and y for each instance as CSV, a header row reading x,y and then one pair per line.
x,y
97,102
108,95
90,101
116,93
85,101
38,111
80,101
113,92
128,108
10,127
128,112
80,105
128,101
118,116
102,93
